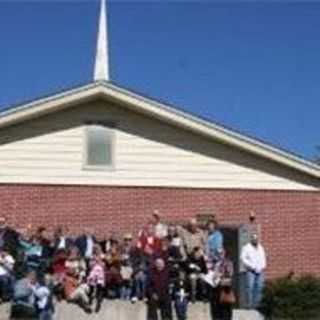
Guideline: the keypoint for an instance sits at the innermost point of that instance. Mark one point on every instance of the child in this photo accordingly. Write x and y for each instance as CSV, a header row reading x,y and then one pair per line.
x,y
96,280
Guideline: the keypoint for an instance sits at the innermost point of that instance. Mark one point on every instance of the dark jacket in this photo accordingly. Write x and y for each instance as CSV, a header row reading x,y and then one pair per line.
x,y
181,289
197,265
158,283
69,243
81,243
9,240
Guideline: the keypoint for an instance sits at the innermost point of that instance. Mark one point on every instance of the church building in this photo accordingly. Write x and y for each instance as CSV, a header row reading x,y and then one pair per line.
x,y
103,156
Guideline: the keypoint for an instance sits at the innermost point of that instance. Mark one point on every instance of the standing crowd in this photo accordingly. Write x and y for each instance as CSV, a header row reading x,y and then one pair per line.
x,y
167,266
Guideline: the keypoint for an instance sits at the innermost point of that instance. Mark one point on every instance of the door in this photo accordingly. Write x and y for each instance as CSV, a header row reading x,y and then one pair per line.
x,y
235,237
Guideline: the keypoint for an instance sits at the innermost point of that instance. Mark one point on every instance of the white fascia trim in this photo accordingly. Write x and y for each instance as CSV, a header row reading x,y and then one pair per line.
x,y
48,104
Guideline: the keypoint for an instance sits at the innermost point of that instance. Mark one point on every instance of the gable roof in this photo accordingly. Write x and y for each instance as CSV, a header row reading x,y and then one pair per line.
x,y
161,111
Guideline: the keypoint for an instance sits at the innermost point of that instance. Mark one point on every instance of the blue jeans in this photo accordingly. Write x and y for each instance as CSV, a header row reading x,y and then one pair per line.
x,y
181,308
46,315
126,291
254,286
139,285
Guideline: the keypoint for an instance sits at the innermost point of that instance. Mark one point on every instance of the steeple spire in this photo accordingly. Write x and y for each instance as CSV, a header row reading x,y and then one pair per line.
x,y
101,68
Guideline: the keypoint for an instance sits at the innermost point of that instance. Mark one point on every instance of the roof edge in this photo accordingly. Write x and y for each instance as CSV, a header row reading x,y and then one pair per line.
x,y
160,110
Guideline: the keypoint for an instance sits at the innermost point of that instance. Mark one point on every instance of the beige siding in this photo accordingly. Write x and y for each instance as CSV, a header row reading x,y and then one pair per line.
x,y
147,153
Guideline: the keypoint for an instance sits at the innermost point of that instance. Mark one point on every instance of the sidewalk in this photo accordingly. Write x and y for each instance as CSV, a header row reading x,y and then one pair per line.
x,y
122,310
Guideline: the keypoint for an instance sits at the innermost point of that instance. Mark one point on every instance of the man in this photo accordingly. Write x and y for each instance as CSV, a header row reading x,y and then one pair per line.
x,y
253,258
24,298
9,238
45,240
196,269
158,292
176,247
192,236
214,243
61,240
127,246
160,229
85,243
107,242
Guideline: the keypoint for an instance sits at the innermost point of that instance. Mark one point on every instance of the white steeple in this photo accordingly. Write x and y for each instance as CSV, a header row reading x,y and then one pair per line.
x,y
101,68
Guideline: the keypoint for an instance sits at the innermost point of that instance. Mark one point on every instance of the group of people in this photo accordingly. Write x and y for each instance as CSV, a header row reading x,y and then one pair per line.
x,y
167,266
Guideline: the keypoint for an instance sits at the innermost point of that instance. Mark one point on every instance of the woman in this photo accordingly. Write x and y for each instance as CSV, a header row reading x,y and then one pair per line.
x,y
59,270
32,251
223,298
76,291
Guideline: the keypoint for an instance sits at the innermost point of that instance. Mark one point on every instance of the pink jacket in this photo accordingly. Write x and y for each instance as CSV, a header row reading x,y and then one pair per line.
x,y
97,275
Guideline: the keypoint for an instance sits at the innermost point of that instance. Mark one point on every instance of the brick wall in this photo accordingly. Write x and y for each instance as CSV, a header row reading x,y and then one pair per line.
x,y
290,220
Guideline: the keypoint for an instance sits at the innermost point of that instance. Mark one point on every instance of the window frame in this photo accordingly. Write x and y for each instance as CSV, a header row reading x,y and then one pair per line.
x,y
110,131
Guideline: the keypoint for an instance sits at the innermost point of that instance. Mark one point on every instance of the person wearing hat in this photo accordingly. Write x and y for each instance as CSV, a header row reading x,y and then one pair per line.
x,y
253,258
127,245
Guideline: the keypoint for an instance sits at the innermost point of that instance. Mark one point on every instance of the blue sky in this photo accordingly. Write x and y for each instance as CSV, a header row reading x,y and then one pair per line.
x,y
253,66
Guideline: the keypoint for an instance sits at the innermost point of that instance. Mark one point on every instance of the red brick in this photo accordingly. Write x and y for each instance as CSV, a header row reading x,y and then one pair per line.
x,y
290,220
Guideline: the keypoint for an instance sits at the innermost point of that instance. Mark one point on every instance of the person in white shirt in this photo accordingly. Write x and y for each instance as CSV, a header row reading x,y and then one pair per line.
x,y
44,301
253,258
160,229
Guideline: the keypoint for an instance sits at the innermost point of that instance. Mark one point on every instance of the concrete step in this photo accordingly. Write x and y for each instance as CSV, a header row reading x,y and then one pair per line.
x,y
246,315
123,310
